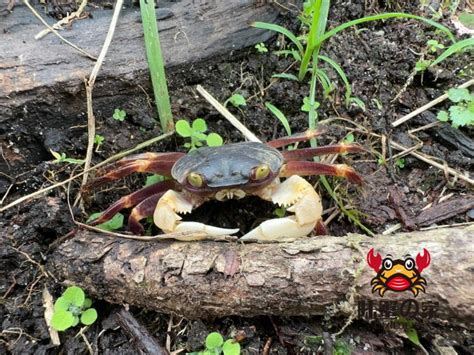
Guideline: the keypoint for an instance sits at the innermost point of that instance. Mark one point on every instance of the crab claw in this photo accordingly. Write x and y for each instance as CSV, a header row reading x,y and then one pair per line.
x,y
167,219
302,200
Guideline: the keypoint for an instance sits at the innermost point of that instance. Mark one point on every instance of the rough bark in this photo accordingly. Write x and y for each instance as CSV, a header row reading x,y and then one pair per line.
x,y
307,277
38,75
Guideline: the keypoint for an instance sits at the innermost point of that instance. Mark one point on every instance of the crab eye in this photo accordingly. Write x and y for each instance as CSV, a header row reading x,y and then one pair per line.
x,y
261,172
387,264
194,179
409,264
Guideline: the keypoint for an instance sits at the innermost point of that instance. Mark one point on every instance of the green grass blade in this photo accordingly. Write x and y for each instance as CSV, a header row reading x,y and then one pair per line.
x,y
156,64
454,48
281,117
341,74
318,27
314,46
324,80
388,15
282,30
285,76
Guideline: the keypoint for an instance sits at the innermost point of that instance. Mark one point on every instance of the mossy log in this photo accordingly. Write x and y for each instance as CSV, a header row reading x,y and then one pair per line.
x,y
311,276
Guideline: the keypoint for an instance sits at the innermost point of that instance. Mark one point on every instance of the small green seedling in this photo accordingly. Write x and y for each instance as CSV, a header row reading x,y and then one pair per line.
x,y
307,105
215,345
98,140
349,138
434,45
71,308
197,135
261,48
236,100
62,158
341,348
461,114
119,115
400,163
116,222
422,65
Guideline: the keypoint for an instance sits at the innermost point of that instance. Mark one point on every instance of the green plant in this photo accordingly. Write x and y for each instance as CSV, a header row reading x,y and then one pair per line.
x,y
156,64
456,47
434,45
461,114
341,348
197,135
72,307
400,163
116,222
62,158
98,140
119,115
261,48
280,115
215,344
236,100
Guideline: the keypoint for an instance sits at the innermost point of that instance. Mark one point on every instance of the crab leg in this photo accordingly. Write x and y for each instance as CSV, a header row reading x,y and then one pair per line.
x,y
144,156
302,199
137,166
299,137
142,210
167,219
133,199
307,153
306,168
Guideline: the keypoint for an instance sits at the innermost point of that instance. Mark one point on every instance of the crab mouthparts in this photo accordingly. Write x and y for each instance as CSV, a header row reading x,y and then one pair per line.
x,y
398,283
229,194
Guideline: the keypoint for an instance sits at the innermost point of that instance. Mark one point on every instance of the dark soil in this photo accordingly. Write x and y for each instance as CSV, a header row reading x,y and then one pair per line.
x,y
377,60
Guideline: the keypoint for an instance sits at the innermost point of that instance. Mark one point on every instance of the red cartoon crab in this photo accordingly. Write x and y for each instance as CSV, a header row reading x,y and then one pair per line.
x,y
398,275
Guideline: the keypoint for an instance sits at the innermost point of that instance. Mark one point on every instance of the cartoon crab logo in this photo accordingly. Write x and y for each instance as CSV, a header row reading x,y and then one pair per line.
x,y
398,275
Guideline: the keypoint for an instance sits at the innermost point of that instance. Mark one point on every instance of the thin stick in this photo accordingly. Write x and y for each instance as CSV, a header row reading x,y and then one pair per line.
x,y
80,50
90,87
58,25
106,161
428,159
428,105
230,117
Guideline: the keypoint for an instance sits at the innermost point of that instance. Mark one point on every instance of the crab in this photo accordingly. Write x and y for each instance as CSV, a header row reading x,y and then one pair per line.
x,y
398,275
231,171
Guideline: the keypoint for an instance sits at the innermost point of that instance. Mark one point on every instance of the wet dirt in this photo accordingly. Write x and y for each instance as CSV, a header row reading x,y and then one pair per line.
x,y
378,60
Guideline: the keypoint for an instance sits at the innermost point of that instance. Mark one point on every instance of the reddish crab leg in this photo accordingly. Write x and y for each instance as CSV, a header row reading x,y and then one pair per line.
x,y
307,153
299,137
144,156
306,168
137,166
134,199
144,209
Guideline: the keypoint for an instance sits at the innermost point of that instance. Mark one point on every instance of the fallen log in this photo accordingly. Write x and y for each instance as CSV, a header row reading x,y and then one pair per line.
x,y
39,76
311,276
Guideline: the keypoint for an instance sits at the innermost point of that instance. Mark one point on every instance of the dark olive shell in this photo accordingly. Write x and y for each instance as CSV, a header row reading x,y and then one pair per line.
x,y
227,165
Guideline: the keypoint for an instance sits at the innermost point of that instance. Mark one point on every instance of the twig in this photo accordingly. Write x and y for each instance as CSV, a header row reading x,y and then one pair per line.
x,y
106,161
139,334
80,50
428,159
90,87
48,314
428,105
229,116
58,25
